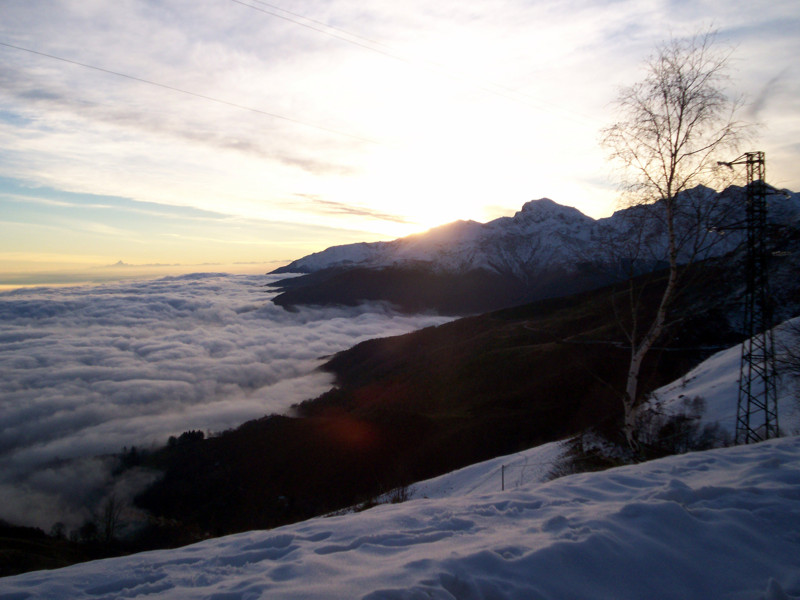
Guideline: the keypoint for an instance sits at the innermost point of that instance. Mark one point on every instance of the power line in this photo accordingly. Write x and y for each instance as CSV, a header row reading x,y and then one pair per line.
x,y
327,31
197,95
326,25
487,87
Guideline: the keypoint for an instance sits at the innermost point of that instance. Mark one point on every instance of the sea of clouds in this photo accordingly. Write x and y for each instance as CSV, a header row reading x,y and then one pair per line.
x,y
86,371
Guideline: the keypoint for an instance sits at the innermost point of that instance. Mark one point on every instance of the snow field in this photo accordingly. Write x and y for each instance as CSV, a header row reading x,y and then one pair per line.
x,y
721,524
504,472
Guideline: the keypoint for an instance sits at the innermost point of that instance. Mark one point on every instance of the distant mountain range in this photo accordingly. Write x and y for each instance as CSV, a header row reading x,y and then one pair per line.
x,y
545,250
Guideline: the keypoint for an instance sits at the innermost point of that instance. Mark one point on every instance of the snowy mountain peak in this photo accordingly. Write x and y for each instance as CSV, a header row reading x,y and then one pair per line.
x,y
545,241
506,245
449,232
545,208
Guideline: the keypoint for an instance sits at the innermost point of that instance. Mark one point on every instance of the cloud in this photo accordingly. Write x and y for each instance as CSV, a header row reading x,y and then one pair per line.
x,y
320,205
88,370
48,96
483,107
767,92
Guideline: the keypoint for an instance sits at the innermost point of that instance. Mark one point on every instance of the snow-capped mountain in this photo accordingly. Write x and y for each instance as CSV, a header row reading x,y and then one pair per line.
x,y
543,232
545,249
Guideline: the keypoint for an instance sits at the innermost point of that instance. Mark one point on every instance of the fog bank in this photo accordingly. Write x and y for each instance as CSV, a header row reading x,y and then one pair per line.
x,y
85,371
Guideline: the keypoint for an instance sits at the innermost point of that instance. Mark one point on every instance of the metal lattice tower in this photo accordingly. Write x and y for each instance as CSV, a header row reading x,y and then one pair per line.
x,y
757,407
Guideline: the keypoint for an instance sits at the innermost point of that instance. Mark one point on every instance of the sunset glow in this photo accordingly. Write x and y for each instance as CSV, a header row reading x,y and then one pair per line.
x,y
223,132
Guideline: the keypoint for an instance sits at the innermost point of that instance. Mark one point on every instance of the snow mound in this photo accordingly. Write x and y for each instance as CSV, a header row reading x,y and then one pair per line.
x,y
721,524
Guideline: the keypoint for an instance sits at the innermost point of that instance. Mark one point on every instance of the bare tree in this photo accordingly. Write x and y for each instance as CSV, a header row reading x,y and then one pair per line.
x,y
789,356
109,518
672,128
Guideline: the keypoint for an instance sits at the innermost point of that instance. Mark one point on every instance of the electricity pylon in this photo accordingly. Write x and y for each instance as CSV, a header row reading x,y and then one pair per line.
x,y
757,406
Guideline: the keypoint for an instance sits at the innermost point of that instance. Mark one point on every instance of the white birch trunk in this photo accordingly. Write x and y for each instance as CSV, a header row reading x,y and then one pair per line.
x,y
639,351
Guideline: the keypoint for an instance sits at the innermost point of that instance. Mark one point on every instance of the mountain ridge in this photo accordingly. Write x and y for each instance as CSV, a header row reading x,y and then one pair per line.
x,y
545,250
441,243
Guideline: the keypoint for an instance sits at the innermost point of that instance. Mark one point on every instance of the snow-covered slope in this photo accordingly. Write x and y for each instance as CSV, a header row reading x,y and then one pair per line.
x,y
544,236
722,524
716,382
502,473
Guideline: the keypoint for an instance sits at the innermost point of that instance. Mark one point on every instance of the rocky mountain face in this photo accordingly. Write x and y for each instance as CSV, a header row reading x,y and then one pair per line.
x,y
544,250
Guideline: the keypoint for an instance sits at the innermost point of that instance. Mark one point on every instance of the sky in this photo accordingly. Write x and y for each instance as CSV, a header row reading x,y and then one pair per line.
x,y
88,370
245,134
